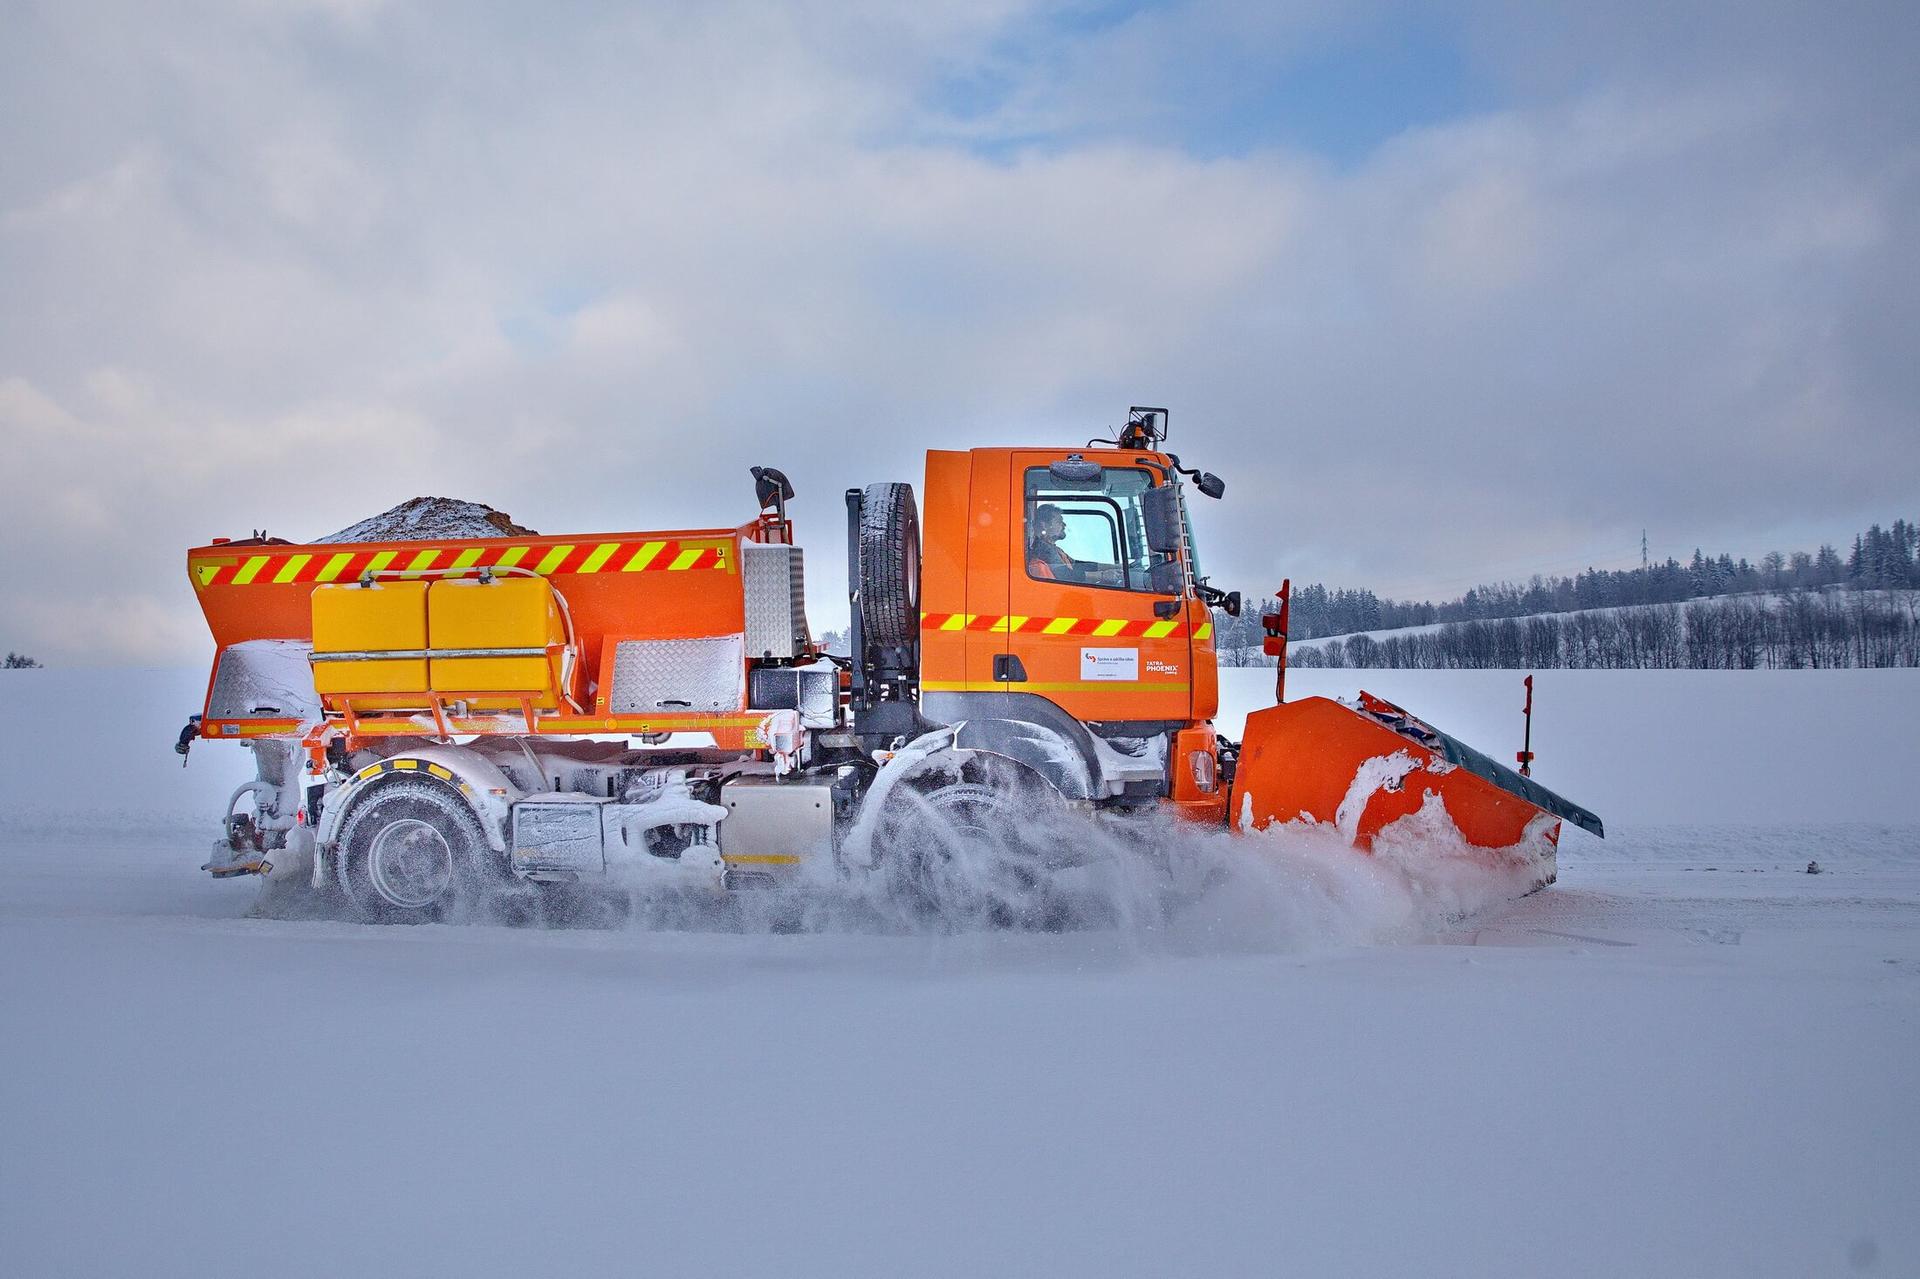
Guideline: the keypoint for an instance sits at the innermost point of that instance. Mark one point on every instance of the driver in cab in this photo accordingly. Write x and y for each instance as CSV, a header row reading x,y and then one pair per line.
x,y
1046,560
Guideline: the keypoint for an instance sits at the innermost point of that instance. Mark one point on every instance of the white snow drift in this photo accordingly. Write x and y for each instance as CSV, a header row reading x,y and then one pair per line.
x,y
1689,1057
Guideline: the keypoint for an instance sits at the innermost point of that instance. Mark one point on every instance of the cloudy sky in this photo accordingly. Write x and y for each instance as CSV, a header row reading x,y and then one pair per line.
x,y
1446,293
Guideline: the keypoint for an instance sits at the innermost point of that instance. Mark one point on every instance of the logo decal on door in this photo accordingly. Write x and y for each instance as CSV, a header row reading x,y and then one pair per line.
x,y
1109,663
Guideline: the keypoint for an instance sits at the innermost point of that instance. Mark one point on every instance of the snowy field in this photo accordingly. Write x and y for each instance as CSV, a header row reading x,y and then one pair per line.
x,y
1689,1057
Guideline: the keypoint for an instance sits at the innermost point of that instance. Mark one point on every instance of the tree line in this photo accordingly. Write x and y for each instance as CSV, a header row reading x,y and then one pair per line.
x,y
1808,630
1880,559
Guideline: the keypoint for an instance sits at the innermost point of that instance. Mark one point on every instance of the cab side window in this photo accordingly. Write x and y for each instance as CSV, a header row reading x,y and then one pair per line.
x,y
1088,532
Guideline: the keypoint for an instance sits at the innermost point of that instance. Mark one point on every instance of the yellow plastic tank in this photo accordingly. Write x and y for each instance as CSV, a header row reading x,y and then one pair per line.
x,y
505,613
383,617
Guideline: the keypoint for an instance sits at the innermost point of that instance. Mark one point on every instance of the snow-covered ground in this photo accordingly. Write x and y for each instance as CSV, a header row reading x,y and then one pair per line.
x,y
1689,1057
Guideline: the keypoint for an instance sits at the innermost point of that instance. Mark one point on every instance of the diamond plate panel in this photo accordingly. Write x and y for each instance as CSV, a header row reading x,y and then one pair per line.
x,y
678,675
269,679
774,581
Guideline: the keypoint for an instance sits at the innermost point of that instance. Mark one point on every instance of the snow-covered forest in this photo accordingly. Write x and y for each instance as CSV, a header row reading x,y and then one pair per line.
x,y
1811,631
1879,559
1805,610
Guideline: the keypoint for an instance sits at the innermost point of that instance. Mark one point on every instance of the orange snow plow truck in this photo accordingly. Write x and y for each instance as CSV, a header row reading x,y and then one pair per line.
x,y
437,721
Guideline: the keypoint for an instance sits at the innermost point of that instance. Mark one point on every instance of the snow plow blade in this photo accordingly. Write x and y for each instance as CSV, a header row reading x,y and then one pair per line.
x,y
1361,769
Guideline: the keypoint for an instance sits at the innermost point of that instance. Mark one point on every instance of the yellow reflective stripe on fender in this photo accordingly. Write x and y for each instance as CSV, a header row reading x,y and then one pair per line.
x,y
412,766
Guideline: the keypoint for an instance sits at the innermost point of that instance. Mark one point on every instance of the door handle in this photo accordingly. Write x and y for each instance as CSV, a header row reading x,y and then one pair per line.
x,y
1166,608
1008,670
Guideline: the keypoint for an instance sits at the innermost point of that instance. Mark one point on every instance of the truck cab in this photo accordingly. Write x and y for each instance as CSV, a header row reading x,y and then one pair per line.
x,y
1062,605
1038,577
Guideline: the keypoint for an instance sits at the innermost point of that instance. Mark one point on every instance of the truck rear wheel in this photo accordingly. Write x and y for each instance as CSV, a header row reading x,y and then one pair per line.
x,y
412,852
889,565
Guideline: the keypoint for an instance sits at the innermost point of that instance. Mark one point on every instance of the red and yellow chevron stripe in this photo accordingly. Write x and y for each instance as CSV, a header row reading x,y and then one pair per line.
x,y
1093,627
279,567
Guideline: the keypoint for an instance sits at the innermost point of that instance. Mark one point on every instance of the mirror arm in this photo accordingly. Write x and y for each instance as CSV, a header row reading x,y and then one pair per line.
x,y
1214,597
1195,475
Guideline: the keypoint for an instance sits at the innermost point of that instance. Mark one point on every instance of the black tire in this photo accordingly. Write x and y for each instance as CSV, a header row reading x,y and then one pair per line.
x,y
889,565
973,852
412,852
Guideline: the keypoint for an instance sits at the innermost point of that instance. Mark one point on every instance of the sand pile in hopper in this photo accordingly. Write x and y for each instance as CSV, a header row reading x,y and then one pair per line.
x,y
423,519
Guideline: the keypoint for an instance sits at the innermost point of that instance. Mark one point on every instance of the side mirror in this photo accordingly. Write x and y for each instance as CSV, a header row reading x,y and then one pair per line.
x,y
1231,604
1074,470
1212,485
1167,577
1160,508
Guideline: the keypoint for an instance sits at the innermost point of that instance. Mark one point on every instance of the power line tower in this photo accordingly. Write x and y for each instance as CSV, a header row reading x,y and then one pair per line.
x,y
1643,550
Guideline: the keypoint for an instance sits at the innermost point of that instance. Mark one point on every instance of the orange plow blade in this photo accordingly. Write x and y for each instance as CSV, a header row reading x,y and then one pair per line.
x,y
1373,770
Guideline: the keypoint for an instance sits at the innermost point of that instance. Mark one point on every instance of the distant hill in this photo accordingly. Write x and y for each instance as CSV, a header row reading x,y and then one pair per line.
x,y
1783,592
1771,631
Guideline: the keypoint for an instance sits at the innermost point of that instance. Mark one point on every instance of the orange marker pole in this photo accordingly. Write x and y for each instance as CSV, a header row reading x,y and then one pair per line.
x,y
1275,645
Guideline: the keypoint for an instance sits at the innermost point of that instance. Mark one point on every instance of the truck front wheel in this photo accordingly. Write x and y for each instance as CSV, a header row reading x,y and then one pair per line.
x,y
974,851
413,852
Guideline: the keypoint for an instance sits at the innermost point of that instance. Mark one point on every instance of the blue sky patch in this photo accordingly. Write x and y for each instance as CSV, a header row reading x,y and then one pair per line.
x,y
1338,93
